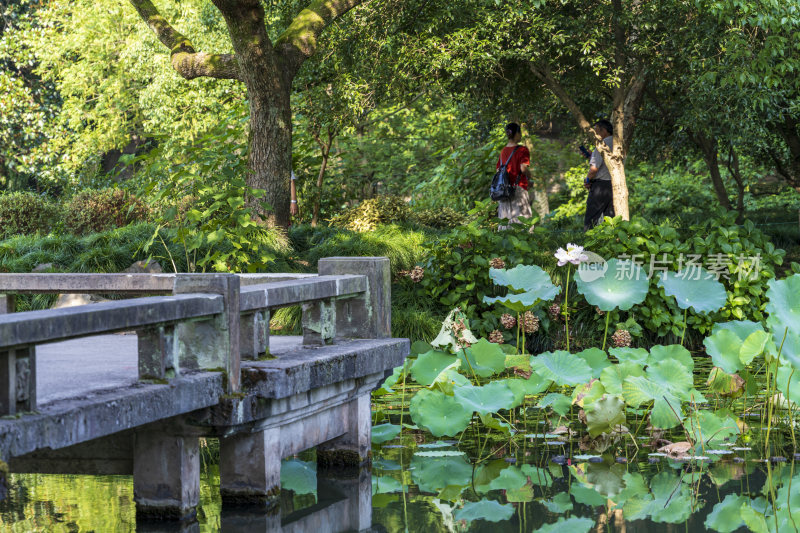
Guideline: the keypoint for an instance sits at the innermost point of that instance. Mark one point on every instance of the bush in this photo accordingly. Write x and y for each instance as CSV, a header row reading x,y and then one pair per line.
x,y
24,213
370,213
446,217
93,211
717,239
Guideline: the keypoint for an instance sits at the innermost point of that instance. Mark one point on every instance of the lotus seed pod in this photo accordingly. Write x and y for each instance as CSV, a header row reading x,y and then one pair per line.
x,y
508,321
417,274
497,263
621,338
554,311
496,337
530,322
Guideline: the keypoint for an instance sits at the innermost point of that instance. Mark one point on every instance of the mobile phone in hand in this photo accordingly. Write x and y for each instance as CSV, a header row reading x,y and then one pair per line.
x,y
584,152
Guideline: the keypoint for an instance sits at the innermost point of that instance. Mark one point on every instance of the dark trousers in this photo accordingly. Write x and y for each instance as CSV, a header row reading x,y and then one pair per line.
x,y
599,204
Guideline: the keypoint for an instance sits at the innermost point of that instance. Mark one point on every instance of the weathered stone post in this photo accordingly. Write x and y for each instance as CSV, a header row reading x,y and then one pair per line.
x,y
254,328
210,344
250,468
367,316
166,475
8,303
17,380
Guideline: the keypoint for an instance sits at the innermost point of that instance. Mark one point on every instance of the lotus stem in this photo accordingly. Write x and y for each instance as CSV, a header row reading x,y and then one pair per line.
x,y
566,305
605,333
685,316
771,406
791,411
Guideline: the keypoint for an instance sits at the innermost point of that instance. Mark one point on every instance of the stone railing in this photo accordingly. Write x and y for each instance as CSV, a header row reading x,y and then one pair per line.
x,y
203,321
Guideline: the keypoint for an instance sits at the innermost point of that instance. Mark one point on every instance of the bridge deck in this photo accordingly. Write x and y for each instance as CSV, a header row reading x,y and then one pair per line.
x,y
79,367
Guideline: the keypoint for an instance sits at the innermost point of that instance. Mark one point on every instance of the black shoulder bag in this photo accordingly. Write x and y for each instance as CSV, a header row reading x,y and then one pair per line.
x,y
501,188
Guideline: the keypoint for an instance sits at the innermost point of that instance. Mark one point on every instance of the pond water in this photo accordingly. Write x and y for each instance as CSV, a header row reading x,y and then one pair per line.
x,y
432,487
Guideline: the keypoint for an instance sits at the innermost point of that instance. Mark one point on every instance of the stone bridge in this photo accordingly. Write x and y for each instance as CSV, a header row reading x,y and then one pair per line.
x,y
129,386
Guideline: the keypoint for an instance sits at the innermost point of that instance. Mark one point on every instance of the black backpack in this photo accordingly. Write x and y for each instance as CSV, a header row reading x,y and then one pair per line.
x,y
501,188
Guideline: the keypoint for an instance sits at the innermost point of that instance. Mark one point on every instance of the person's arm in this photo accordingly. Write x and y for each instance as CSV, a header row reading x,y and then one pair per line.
x,y
293,209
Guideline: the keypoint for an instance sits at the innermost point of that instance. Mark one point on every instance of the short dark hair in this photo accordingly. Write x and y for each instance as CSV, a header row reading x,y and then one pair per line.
x,y
512,129
603,123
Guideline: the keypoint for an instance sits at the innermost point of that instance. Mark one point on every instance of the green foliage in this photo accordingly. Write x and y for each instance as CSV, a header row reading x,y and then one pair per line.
x,y
716,239
25,213
443,218
577,194
93,211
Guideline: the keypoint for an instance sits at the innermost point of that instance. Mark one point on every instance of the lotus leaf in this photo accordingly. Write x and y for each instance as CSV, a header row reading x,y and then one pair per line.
x,y
439,413
429,365
753,346
298,476
451,493
384,432
449,379
723,347
742,328
446,340
671,351
588,392
562,367
789,348
538,476
726,517
786,376
484,358
709,428
603,415
633,355
784,304
568,525
492,423
486,399
728,385
622,286
613,376
698,290
638,390
558,402
754,520
518,302
526,387
488,510
522,278
673,376
420,347
596,359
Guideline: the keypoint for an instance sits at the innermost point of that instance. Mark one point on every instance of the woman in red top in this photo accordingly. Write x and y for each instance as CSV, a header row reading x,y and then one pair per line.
x,y
519,175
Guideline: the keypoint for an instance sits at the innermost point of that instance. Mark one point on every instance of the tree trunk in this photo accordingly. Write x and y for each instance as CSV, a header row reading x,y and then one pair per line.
x,y
619,186
735,172
708,147
315,217
270,153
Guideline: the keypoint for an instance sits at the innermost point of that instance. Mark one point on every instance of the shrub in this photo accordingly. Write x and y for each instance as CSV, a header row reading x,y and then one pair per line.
x,y
24,213
446,217
371,213
92,211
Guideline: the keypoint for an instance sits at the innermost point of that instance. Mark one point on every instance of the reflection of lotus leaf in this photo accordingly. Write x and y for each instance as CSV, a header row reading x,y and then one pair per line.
x,y
633,355
603,415
711,428
484,358
298,476
429,365
784,303
606,478
670,501
609,293
568,525
489,398
510,478
704,295
587,495
386,485
438,413
487,472
537,476
384,432
488,510
725,517
672,351
562,367
432,474
613,376
561,503
596,359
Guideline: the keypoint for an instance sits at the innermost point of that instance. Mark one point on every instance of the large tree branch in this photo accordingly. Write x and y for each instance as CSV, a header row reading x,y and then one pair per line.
x,y
299,41
184,58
